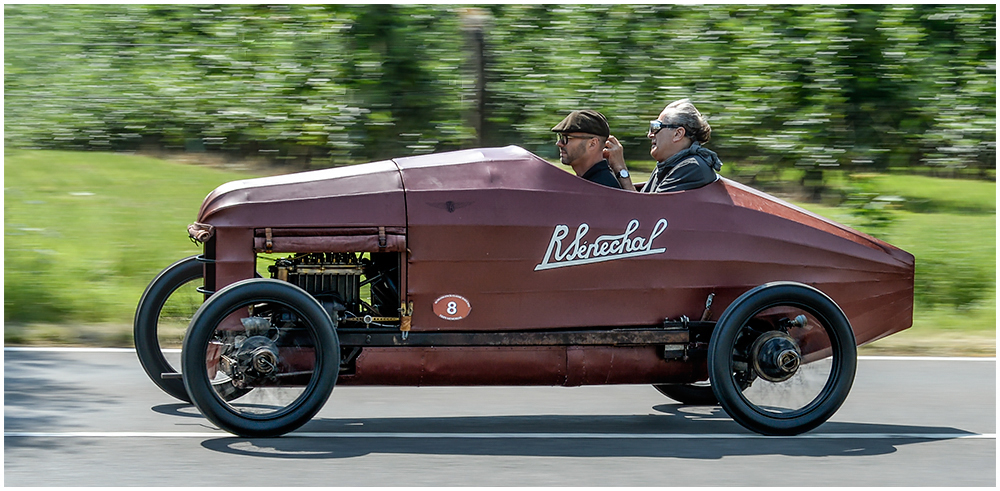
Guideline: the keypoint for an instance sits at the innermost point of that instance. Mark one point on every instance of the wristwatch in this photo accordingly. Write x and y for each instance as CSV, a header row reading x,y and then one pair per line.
x,y
623,174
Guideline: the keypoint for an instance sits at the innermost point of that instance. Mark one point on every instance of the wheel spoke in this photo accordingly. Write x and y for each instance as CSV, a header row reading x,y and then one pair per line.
x,y
782,358
781,384
269,356
273,351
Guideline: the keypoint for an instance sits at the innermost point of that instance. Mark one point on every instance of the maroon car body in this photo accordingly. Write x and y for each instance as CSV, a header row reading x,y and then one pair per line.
x,y
502,228
492,266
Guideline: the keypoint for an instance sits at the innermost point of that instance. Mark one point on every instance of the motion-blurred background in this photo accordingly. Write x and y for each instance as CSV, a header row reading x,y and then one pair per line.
x,y
879,116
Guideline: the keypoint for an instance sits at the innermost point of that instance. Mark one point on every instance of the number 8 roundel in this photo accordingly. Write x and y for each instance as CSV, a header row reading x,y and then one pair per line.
x,y
452,307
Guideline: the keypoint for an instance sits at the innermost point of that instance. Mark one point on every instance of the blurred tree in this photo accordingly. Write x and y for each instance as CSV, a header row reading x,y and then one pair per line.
x,y
806,86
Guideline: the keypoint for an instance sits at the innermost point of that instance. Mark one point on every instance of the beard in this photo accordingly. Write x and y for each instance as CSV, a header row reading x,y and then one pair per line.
x,y
567,156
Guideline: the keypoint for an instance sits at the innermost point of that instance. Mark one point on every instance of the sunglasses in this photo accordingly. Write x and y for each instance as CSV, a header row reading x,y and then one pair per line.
x,y
656,125
564,139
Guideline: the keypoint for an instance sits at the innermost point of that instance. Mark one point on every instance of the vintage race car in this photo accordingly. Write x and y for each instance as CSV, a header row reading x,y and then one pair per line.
x,y
494,267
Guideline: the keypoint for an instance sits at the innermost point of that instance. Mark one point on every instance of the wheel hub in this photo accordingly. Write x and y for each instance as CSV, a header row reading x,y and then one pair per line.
x,y
255,357
776,356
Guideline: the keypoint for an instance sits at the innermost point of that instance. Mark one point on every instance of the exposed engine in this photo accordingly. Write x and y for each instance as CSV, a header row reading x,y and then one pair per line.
x,y
339,281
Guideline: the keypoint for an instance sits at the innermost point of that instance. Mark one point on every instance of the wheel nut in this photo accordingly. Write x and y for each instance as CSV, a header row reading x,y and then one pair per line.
x,y
265,360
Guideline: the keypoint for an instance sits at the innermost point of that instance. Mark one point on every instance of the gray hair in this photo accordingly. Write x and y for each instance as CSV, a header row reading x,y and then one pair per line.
x,y
695,125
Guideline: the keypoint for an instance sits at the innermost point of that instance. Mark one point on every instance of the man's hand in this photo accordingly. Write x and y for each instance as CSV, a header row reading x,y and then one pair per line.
x,y
615,153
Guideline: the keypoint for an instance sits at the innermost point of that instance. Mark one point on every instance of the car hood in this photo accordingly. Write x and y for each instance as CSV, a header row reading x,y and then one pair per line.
x,y
357,195
369,194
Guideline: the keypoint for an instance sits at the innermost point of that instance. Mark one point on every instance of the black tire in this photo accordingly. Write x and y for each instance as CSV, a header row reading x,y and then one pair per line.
x,y
311,336
697,394
145,328
178,277
748,366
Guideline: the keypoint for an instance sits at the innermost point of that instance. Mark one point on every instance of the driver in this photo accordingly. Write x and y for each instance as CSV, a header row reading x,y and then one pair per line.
x,y
676,139
582,138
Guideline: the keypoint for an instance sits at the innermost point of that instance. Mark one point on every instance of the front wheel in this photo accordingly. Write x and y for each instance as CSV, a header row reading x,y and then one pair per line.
x,y
782,358
269,338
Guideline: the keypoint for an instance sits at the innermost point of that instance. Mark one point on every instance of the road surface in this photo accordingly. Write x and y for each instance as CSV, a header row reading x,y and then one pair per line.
x,y
92,418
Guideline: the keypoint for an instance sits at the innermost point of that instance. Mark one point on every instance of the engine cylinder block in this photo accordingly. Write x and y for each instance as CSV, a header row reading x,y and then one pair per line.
x,y
322,274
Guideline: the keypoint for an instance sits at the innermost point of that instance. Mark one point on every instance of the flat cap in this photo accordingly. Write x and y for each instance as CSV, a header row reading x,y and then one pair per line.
x,y
584,121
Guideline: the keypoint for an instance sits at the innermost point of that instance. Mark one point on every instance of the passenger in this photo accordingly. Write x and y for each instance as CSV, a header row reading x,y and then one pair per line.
x,y
582,138
676,139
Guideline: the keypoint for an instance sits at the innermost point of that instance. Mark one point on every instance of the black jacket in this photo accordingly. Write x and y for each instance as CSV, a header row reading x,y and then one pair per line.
x,y
690,168
601,174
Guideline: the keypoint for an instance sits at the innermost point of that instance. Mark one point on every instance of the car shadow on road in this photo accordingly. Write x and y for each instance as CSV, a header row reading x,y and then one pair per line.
x,y
675,431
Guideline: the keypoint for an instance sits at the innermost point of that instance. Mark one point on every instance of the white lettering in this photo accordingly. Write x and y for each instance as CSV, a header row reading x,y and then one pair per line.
x,y
604,248
577,250
558,235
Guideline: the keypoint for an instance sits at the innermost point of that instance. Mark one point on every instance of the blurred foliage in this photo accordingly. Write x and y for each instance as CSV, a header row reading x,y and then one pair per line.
x,y
951,235
784,86
957,285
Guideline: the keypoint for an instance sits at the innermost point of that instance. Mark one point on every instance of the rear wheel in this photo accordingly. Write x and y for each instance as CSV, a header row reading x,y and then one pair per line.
x,y
782,359
271,339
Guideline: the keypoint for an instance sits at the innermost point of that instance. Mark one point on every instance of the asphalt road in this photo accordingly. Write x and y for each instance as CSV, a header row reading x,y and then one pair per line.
x,y
85,418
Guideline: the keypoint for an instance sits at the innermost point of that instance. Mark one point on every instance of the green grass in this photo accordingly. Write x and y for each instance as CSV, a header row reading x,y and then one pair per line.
x,y
86,232
928,194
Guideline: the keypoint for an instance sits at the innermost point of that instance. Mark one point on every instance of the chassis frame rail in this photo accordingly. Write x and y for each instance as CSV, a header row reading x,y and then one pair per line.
x,y
669,333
